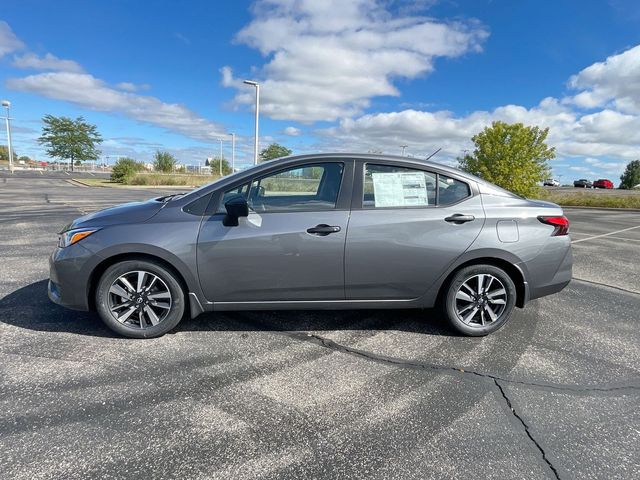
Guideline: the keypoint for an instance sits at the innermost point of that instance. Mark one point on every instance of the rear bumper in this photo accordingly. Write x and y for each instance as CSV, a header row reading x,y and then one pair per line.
x,y
545,285
68,281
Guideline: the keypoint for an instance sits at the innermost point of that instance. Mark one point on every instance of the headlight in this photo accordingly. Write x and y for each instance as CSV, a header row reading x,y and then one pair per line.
x,y
74,236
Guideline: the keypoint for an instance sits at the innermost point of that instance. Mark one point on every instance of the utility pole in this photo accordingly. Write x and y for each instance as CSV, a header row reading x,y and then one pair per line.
x,y
7,105
255,140
220,162
233,153
403,147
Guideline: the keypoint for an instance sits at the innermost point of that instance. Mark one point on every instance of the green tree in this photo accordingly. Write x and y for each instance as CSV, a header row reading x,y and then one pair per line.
x,y
124,169
214,163
71,140
631,176
512,156
4,153
164,162
274,151
24,158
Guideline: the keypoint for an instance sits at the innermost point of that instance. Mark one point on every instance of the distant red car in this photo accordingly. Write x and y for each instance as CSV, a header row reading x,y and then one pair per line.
x,y
603,183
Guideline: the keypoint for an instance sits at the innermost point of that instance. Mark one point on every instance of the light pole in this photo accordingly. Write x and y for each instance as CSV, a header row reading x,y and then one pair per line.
x,y
255,140
233,153
220,162
403,147
7,104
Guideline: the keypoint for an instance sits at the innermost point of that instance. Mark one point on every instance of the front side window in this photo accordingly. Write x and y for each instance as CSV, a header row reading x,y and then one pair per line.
x,y
308,187
390,186
239,190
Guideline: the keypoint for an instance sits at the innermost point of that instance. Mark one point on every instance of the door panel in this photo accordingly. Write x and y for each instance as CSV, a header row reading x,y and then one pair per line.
x,y
398,253
270,257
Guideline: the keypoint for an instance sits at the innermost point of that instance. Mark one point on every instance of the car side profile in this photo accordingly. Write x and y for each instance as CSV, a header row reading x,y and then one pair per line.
x,y
583,183
603,183
551,182
326,231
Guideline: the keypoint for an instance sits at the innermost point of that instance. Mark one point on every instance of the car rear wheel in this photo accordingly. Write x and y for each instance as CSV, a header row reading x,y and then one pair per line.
x,y
479,299
139,299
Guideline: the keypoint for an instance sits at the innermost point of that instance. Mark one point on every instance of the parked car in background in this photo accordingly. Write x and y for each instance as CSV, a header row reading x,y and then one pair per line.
x,y
603,183
326,231
583,183
551,182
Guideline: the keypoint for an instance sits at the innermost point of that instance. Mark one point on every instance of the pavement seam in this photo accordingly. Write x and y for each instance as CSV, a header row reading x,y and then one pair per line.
x,y
526,429
634,292
331,345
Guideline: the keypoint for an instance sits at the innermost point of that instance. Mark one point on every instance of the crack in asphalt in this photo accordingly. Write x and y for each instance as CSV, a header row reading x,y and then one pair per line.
x,y
526,429
331,345
633,292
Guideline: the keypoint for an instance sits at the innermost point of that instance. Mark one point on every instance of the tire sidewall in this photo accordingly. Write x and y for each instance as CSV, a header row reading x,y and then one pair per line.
x,y
113,272
455,283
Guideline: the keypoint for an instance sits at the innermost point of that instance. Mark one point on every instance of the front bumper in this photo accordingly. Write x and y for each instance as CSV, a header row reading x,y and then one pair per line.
x,y
69,277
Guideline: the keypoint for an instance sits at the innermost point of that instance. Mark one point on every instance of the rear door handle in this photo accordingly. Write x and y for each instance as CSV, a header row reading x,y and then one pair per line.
x,y
458,218
323,230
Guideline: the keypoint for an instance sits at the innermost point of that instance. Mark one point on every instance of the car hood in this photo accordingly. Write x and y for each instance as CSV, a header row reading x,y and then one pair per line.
x,y
134,212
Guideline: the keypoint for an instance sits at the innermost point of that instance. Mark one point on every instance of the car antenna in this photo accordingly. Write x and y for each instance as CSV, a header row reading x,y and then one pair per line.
x,y
432,154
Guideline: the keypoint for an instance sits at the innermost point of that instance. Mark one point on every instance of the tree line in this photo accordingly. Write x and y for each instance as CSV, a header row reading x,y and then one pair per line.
x,y
512,156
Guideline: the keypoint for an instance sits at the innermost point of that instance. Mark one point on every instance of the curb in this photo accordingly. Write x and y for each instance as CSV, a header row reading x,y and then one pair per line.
x,y
76,183
614,209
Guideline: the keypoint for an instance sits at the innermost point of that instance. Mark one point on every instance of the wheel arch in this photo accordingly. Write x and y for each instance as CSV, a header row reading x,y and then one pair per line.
x,y
101,267
504,260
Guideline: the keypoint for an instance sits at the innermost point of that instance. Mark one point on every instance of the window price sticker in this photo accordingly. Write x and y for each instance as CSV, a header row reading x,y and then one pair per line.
x,y
399,189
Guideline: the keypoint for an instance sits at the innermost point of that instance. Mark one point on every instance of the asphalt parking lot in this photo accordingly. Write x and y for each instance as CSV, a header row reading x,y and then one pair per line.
x,y
348,394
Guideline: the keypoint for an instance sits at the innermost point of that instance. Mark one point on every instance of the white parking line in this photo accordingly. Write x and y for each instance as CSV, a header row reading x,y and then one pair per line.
x,y
605,234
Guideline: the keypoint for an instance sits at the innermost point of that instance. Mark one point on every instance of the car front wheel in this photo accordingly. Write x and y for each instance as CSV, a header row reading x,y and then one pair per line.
x,y
139,299
479,299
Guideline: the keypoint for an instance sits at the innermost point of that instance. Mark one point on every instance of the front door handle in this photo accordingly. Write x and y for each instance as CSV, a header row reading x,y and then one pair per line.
x,y
323,230
458,218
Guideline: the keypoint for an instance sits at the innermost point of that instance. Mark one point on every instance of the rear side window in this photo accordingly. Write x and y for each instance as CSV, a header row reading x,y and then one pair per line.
x,y
451,190
390,186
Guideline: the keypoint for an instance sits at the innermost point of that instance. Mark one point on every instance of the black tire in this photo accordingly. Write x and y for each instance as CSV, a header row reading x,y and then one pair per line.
x,y
450,305
167,322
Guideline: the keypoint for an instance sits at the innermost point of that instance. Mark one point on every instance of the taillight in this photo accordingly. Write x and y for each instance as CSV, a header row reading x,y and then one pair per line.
x,y
560,223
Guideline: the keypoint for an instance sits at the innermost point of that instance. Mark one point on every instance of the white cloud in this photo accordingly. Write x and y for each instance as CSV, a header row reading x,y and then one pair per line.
x,y
615,80
596,142
89,92
48,62
8,40
326,60
292,131
132,87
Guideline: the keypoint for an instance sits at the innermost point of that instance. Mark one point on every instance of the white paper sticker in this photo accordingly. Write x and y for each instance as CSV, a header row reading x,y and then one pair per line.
x,y
400,189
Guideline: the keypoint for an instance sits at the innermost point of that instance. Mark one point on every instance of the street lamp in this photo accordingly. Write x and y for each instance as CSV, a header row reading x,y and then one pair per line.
x,y
403,147
7,104
233,153
255,140
220,162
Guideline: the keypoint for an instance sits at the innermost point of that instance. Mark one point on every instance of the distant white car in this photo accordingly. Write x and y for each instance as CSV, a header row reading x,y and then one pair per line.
x,y
550,182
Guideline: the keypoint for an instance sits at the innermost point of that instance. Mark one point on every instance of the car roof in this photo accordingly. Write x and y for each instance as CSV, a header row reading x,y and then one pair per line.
x,y
378,157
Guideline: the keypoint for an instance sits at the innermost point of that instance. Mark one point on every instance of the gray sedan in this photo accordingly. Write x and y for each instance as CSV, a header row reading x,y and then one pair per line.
x,y
326,231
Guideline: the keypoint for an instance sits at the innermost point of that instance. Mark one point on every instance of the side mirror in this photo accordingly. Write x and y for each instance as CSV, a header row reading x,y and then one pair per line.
x,y
236,207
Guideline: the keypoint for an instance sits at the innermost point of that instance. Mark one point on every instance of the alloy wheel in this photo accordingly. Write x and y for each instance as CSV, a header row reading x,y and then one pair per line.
x,y
480,300
139,299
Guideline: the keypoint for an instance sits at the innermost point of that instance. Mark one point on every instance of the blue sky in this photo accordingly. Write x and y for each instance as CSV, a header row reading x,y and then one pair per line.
x,y
361,75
